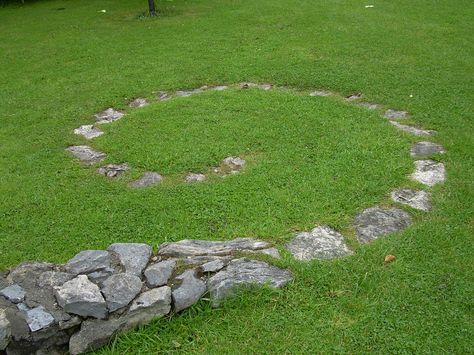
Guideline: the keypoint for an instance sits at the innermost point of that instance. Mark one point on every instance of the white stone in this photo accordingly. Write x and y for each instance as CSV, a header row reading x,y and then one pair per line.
x,y
429,172
88,131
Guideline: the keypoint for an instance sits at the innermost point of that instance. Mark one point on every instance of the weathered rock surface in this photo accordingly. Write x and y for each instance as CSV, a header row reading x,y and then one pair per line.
x,y
108,116
120,289
394,114
353,97
213,266
243,272
82,297
321,243
88,131
88,261
113,170
193,248
370,106
429,172
234,163
158,274
5,330
413,130
13,293
189,290
194,177
421,200
375,222
86,154
28,272
37,318
149,178
54,278
254,85
320,93
425,149
162,96
133,256
150,304
138,102
220,88
93,334
186,93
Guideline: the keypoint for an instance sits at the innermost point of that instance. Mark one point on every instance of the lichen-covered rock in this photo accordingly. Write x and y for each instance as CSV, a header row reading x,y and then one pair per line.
x,y
158,274
150,304
375,222
88,261
413,130
37,318
420,200
86,154
321,243
189,290
243,273
109,115
82,297
120,289
113,170
429,172
134,257
425,149
13,293
149,178
88,131
5,330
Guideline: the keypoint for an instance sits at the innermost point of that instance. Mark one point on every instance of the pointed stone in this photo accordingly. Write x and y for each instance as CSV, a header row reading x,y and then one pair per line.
x,y
113,170
86,154
189,291
420,200
88,131
425,149
133,256
413,130
148,179
108,116
429,172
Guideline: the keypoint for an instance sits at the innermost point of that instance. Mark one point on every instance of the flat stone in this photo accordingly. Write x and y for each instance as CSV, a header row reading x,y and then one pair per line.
x,y
133,256
244,273
425,149
370,105
93,334
113,170
5,330
86,154
320,93
88,131
37,318
193,248
413,130
213,266
82,297
220,88
235,163
203,259
138,102
273,252
375,222
321,243
420,200
186,93
162,96
193,177
189,291
88,261
429,172
149,178
54,278
158,274
394,114
353,97
150,304
13,293
108,116
120,289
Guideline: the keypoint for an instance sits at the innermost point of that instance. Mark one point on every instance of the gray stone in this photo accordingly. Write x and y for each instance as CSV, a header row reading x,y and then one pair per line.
x,y
28,272
88,131
420,200
244,273
158,274
162,96
54,278
394,114
320,93
133,256
120,289
149,178
88,261
273,252
193,177
203,259
138,102
429,172
186,247
5,330
375,222
37,318
370,105
220,88
13,293
425,149
113,170
235,163
321,243
108,116
413,130
150,304
186,93
213,266
353,97
86,154
93,334
189,291
254,85
82,297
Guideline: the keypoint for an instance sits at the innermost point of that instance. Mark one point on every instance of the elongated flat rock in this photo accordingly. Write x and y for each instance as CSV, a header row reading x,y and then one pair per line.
x,y
425,149
321,243
420,200
189,291
148,179
394,114
108,116
413,130
429,172
88,131
113,170
86,154
243,273
185,248
120,289
375,222
133,256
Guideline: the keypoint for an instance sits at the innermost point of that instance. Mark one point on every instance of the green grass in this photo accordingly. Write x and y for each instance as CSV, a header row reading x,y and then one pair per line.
x,y
311,160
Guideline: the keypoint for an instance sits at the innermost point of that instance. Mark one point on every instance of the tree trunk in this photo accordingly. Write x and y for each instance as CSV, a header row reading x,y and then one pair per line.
x,y
151,6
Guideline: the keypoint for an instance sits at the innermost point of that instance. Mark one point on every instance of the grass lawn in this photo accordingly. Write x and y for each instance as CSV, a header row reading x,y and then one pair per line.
x,y
312,160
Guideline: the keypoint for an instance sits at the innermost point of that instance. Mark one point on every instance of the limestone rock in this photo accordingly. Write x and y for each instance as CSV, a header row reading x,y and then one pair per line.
x,y
113,170
321,243
13,293
429,172
194,177
320,93
425,149
120,289
149,178
213,266
189,291
93,334
158,274
413,130
88,261
108,116
133,256
138,102
82,297
420,200
150,304
5,330
37,318
86,154
394,114
243,272
88,131
375,222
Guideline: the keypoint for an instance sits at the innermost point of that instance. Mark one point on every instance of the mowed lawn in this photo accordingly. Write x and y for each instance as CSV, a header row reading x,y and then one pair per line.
x,y
311,160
